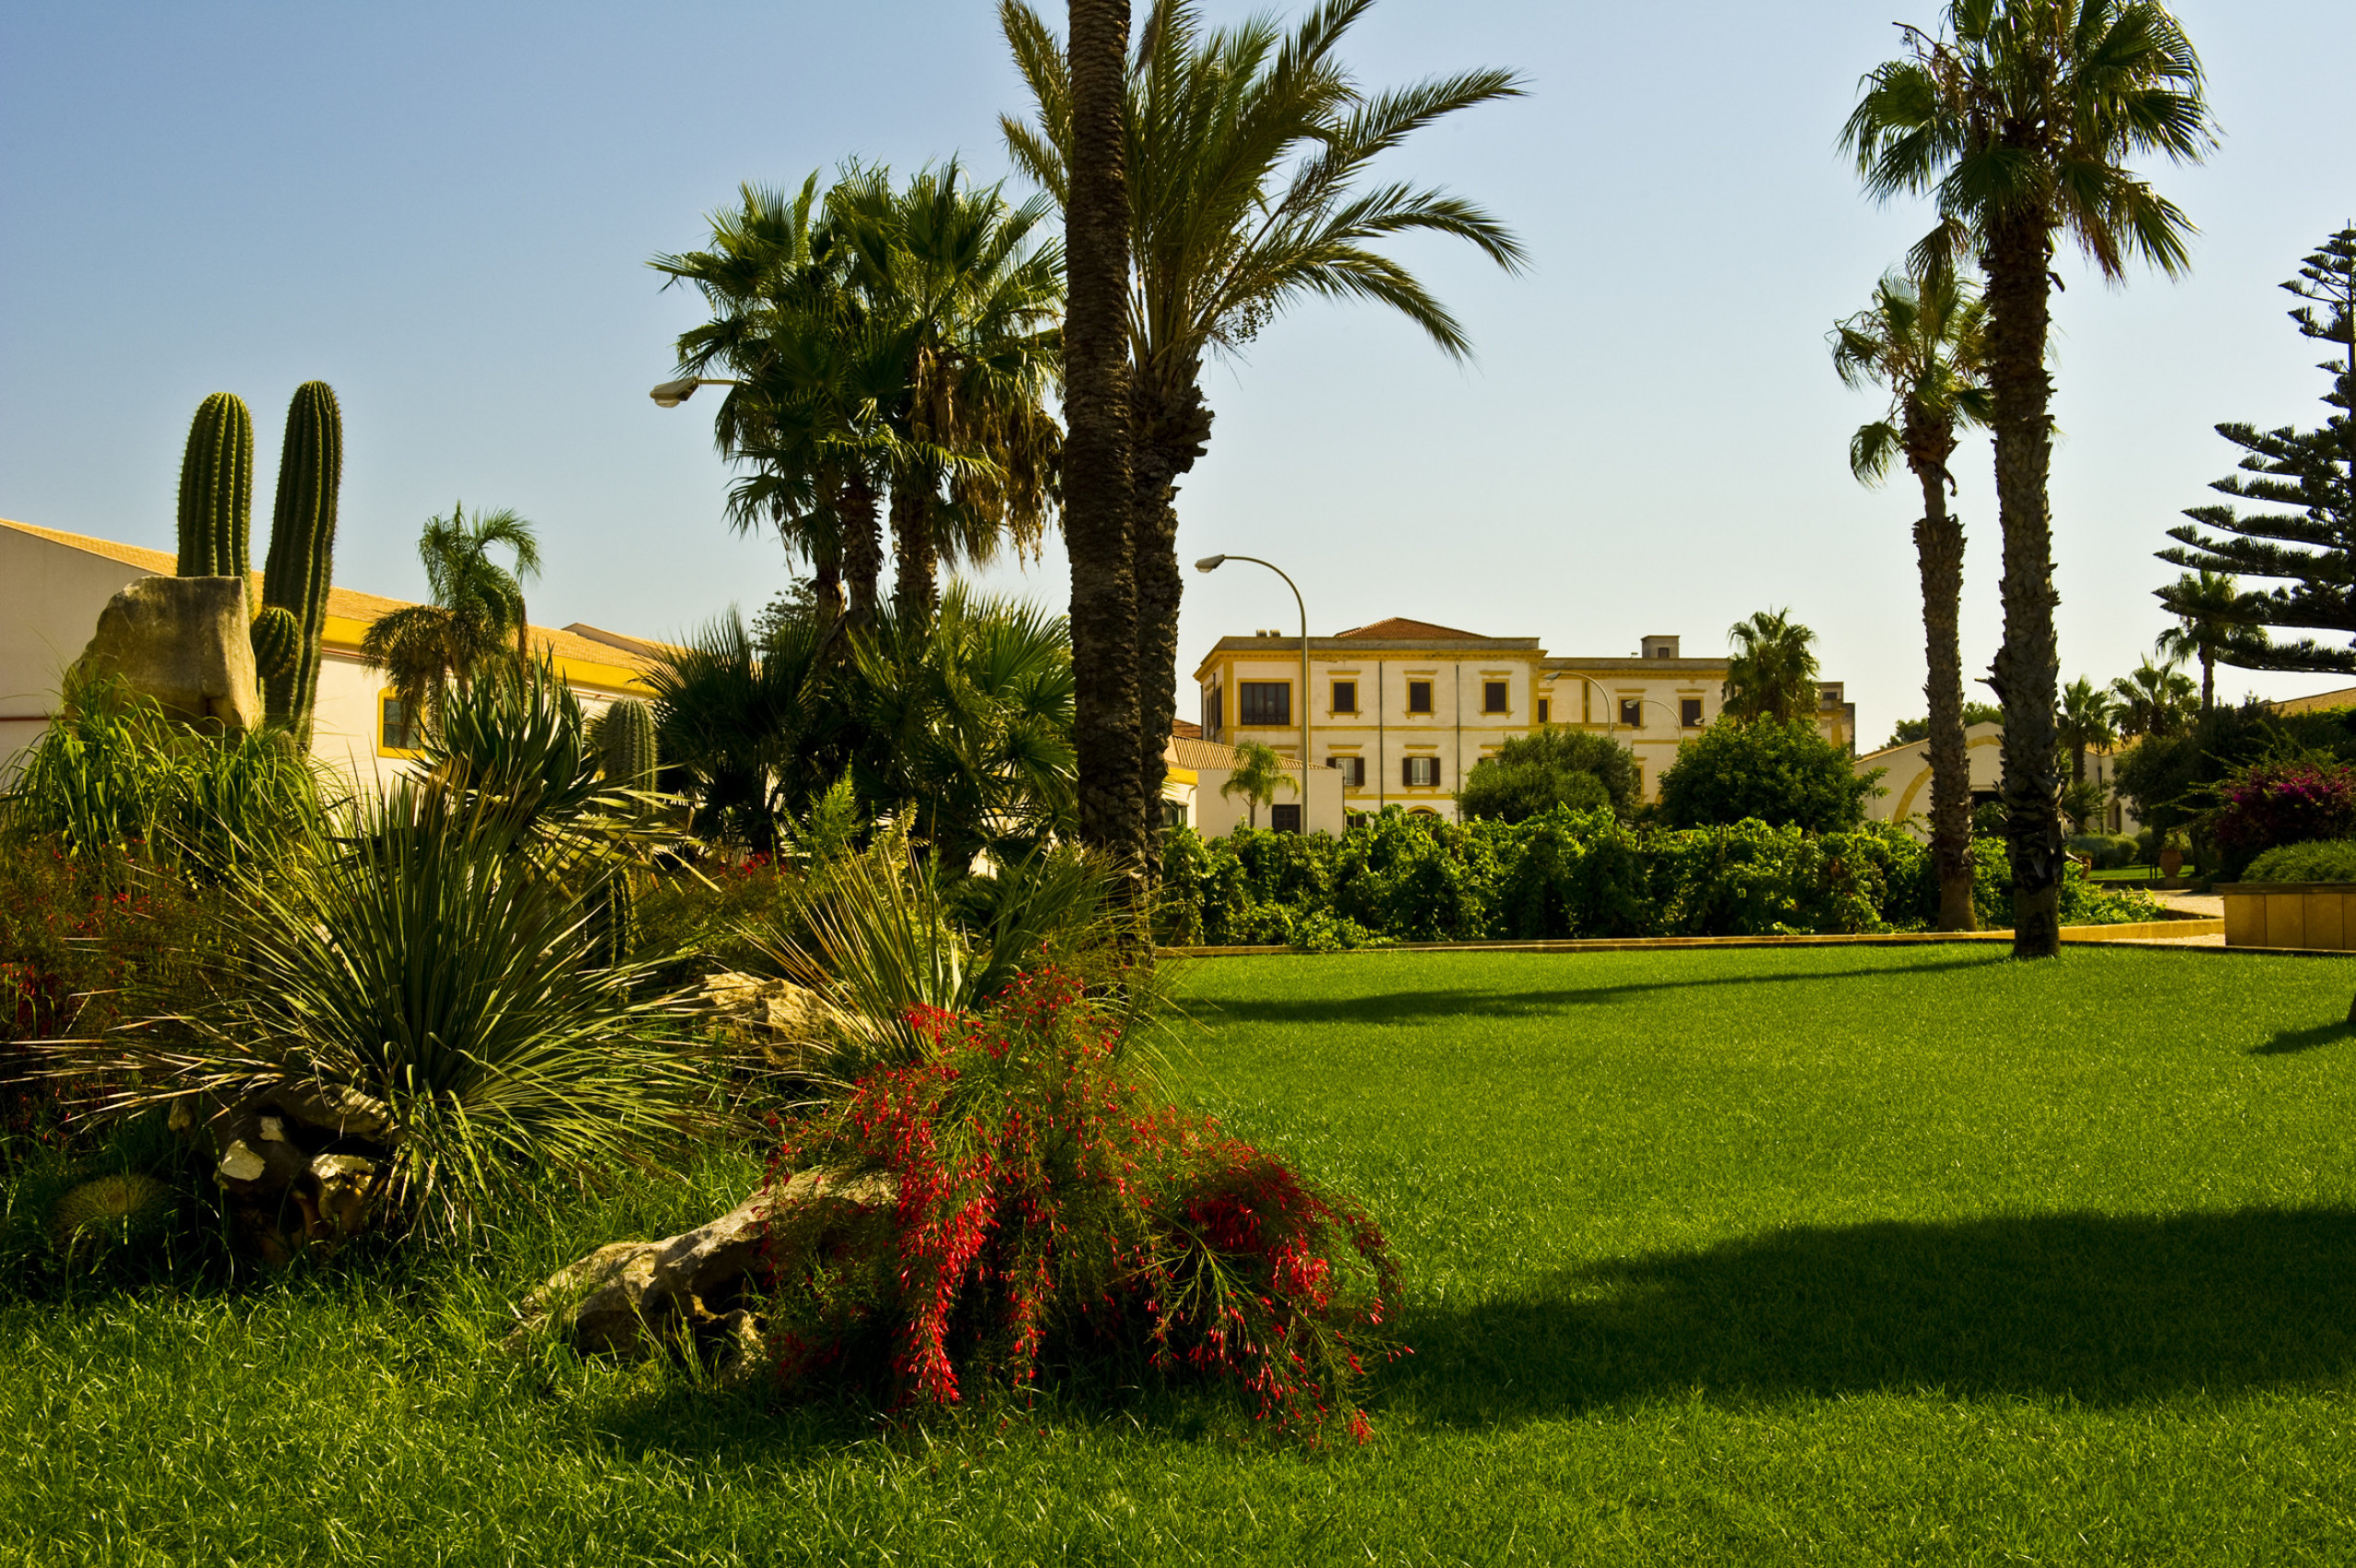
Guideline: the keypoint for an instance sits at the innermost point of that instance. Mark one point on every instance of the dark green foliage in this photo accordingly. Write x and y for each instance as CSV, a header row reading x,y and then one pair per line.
x,y
277,639
2170,779
2326,860
1533,774
1568,874
1908,731
297,573
218,488
2308,478
1782,772
2109,851
626,748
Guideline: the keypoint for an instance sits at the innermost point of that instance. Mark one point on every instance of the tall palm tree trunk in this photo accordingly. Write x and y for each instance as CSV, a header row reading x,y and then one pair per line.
x,y
2027,666
1097,498
2208,678
827,586
1170,430
862,548
916,556
1938,548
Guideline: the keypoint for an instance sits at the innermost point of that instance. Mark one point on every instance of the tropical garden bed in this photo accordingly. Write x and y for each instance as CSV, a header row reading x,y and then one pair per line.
x,y
1748,1256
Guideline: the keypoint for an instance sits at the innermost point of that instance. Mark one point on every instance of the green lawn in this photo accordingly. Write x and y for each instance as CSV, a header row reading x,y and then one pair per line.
x,y
1834,1255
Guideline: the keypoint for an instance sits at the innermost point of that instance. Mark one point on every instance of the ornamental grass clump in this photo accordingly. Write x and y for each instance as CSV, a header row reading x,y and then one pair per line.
x,y
1052,1214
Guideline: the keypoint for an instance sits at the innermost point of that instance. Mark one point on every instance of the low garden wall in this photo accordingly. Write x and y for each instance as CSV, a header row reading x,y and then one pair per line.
x,y
2318,916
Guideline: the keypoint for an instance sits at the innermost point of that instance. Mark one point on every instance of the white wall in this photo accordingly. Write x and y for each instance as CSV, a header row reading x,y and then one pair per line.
x,y
1215,816
50,598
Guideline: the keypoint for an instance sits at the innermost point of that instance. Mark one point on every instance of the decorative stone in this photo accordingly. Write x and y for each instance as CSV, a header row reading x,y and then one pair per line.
x,y
628,1298
182,640
346,1192
241,1163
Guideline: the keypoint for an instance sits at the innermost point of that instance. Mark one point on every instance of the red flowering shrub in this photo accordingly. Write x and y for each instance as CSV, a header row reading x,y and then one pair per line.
x,y
2292,801
1048,1206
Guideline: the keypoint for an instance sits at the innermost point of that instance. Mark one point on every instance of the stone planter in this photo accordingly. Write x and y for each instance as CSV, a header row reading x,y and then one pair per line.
x,y
2290,914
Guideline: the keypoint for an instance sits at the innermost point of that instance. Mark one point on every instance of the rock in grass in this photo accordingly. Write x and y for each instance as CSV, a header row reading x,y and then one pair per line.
x,y
632,1298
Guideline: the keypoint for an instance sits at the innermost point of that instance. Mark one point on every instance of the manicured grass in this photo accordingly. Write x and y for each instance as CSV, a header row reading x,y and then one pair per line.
x,y
1758,1256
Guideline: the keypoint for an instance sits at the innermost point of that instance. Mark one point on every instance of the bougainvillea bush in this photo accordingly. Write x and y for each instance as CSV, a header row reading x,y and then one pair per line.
x,y
1051,1213
2284,801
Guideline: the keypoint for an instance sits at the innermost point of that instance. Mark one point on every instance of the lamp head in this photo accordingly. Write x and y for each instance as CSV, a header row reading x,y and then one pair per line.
x,y
671,394
1210,563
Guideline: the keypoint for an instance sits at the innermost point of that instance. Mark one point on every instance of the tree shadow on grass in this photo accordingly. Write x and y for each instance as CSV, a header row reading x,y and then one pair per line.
x,y
1472,1001
2109,1309
2290,1041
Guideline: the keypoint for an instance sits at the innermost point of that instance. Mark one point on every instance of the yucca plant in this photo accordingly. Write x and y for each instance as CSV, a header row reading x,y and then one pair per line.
x,y
425,960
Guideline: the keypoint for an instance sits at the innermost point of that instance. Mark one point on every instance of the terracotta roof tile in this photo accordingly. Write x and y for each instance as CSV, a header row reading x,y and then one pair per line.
x,y
1399,628
1186,751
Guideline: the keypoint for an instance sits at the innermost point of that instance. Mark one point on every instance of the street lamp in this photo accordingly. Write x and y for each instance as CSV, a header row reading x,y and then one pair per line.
x,y
671,394
1212,563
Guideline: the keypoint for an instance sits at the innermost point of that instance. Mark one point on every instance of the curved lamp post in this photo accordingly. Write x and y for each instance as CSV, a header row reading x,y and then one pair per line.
x,y
1212,563
671,394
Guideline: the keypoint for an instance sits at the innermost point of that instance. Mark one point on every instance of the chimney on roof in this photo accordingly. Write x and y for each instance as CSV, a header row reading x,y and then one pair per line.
x,y
1660,647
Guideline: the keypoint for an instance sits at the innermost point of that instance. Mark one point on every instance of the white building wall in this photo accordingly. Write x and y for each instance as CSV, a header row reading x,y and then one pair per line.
x,y
50,598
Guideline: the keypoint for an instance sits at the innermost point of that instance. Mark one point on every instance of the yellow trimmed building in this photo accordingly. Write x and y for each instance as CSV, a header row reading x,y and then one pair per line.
x,y
53,584
1403,709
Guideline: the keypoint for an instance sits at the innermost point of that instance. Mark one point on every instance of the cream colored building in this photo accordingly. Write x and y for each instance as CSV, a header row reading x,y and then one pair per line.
x,y
1905,797
53,584
1404,710
1192,794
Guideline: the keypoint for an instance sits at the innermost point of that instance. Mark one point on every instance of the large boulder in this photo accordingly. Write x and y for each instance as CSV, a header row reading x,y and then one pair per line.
x,y
629,1298
184,641
300,1165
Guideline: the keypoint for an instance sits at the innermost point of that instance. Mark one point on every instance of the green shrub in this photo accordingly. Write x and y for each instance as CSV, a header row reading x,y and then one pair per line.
x,y
2109,851
1786,775
1534,773
2324,861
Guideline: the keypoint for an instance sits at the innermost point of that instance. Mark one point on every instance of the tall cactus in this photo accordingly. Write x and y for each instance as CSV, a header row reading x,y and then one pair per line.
x,y
302,546
625,738
625,735
218,488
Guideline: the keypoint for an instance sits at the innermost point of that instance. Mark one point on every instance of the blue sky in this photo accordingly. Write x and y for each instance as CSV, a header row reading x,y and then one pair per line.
x,y
445,210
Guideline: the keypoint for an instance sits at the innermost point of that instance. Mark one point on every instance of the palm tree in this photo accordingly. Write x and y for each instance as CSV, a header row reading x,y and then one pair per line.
x,y
2089,722
1096,470
953,277
1771,673
2213,620
812,380
2154,701
749,725
476,611
1259,774
1246,151
2021,121
1924,340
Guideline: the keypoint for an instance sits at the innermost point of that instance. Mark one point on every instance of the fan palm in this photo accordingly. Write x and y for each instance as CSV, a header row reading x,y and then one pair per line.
x,y
812,379
1925,341
2155,700
1245,148
750,726
476,612
2214,617
956,282
2021,121
2089,721
1771,673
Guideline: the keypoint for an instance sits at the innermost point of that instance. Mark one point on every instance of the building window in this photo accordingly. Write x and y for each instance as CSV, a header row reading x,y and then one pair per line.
x,y
1419,697
1493,696
397,728
1285,817
1351,769
1632,712
1346,696
1419,772
1545,710
1173,813
1831,696
1214,712
1689,712
1263,703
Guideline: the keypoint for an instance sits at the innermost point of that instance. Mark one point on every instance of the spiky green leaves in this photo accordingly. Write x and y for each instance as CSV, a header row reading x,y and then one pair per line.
x,y
216,489
278,641
301,545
